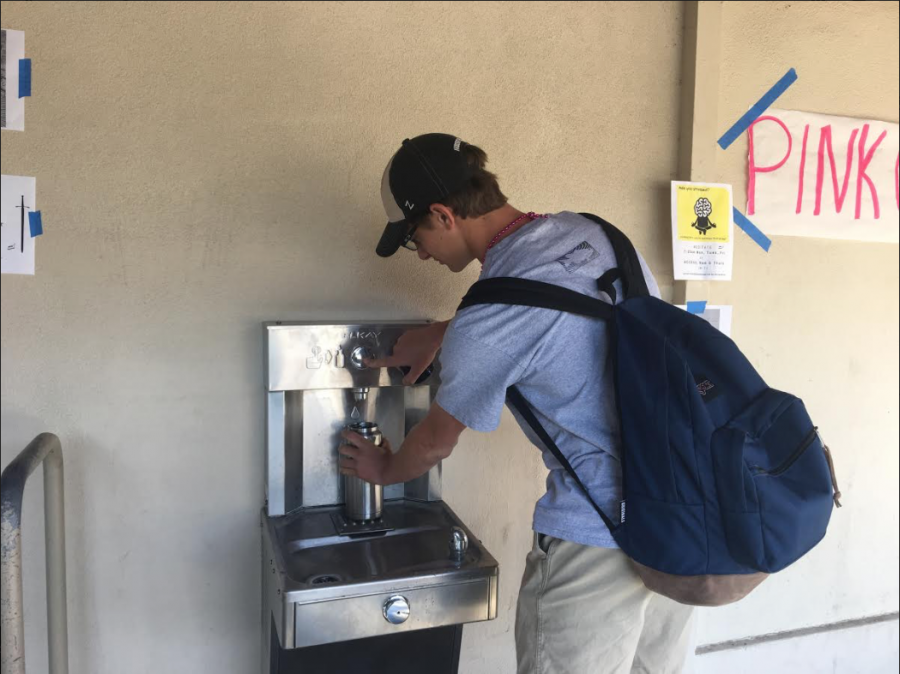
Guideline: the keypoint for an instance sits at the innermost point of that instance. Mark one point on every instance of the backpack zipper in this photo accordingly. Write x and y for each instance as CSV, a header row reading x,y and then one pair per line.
x,y
834,484
792,459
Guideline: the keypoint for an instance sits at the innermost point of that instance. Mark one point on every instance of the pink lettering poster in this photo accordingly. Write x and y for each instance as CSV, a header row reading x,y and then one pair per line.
x,y
823,176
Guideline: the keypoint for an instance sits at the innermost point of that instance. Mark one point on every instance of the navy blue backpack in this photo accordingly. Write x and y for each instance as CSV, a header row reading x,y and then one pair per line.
x,y
725,480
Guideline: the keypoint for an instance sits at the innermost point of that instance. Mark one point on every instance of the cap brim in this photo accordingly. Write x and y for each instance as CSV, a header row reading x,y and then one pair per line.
x,y
394,233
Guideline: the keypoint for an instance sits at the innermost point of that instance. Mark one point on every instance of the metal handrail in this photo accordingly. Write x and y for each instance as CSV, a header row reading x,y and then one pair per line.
x,y
45,449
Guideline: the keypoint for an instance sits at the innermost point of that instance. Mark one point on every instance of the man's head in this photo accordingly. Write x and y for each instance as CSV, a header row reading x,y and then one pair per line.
x,y
433,189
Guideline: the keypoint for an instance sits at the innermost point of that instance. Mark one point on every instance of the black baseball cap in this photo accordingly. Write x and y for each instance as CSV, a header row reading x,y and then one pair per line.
x,y
423,171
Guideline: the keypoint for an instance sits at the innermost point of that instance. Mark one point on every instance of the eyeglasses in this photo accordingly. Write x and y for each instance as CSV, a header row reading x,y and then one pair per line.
x,y
408,242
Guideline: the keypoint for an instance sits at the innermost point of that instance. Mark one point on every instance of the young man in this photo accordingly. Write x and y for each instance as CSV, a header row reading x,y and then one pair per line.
x,y
582,608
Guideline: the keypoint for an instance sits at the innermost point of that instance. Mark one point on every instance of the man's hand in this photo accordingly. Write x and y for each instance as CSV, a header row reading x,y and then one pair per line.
x,y
364,459
415,349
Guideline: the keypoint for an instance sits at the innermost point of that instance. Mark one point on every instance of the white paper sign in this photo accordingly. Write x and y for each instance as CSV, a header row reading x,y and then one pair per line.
x,y
12,48
17,202
717,315
823,176
702,231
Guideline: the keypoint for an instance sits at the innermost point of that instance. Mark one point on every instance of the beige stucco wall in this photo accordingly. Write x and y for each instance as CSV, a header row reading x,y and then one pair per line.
x,y
820,318
202,167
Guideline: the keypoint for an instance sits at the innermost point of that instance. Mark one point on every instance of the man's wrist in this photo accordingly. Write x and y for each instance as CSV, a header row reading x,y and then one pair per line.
x,y
440,329
387,473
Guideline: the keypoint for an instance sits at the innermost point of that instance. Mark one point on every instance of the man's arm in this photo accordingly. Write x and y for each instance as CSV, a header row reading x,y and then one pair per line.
x,y
428,443
415,349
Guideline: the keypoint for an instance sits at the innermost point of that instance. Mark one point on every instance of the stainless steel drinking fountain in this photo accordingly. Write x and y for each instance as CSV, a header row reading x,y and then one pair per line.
x,y
355,578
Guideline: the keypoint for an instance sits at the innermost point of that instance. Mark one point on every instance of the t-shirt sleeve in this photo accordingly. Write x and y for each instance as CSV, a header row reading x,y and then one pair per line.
x,y
652,286
474,379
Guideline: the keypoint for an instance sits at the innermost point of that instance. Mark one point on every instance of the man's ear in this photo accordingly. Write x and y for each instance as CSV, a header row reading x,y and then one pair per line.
x,y
444,217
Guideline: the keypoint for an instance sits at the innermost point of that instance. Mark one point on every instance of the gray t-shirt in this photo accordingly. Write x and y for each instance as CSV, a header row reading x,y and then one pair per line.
x,y
559,362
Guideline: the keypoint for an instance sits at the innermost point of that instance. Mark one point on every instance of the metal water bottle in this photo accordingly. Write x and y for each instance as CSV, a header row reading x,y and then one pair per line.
x,y
363,501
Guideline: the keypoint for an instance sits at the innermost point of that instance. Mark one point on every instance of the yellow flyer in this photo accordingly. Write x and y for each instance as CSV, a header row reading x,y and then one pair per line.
x,y
702,231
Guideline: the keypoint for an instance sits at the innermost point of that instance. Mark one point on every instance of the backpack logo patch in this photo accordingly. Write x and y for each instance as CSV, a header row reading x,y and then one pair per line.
x,y
579,256
706,388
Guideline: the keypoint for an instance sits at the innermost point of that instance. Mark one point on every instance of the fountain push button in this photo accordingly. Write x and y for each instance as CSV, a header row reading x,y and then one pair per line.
x,y
396,610
358,355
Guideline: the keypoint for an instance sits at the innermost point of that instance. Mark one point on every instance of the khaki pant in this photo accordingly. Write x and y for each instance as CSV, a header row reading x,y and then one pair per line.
x,y
584,610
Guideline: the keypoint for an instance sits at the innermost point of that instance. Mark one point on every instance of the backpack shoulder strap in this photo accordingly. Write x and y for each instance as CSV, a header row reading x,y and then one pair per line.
x,y
518,401
629,264
525,292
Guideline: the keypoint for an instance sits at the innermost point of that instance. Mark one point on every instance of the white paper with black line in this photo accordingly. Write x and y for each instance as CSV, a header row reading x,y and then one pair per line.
x,y
17,202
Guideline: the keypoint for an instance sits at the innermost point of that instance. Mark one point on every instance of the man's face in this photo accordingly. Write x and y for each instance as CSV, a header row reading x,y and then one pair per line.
x,y
439,238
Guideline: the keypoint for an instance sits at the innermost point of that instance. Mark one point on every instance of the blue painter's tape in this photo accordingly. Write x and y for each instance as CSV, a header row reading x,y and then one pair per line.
x,y
757,110
35,224
24,78
696,307
751,230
